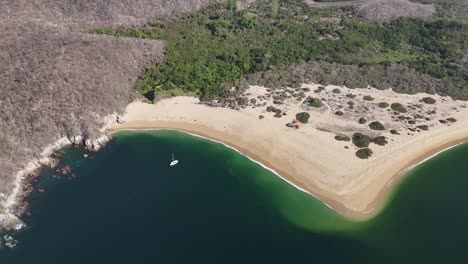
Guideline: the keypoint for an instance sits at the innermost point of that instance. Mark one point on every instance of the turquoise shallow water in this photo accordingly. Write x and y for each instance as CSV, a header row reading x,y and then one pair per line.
x,y
124,204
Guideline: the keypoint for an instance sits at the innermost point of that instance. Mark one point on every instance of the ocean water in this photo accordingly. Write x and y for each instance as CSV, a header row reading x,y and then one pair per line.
x,y
124,204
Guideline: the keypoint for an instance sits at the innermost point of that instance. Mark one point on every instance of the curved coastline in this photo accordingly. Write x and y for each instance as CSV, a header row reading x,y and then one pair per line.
x,y
372,210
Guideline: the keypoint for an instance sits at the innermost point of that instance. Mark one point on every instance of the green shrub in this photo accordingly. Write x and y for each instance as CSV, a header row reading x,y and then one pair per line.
x,y
261,117
451,119
381,141
398,107
383,105
423,127
174,94
278,114
303,117
320,89
270,108
428,100
362,120
351,96
342,138
350,103
394,132
336,90
361,141
314,102
368,98
364,153
376,125
253,100
339,113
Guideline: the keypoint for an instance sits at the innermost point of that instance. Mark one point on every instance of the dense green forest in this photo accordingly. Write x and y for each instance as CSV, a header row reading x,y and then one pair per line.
x,y
208,52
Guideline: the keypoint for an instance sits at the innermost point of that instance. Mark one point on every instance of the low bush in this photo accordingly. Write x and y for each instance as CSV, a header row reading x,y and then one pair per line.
x,y
423,127
383,104
342,138
381,141
364,153
361,141
362,120
428,100
303,117
339,113
376,125
314,102
398,107
368,98
336,90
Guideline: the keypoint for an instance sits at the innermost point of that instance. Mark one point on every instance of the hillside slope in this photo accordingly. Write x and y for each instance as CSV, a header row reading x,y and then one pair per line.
x,y
57,81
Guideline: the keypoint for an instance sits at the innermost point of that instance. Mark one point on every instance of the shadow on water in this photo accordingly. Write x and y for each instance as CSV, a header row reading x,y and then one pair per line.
x,y
125,204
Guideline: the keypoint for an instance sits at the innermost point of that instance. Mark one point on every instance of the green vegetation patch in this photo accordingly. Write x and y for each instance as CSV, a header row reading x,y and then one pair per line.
x,y
428,100
217,48
376,125
423,127
336,91
361,141
313,102
342,138
383,104
398,107
368,98
364,153
303,117
380,140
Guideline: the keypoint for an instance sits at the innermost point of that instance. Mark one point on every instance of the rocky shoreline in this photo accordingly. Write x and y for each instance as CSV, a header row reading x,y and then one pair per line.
x,y
15,206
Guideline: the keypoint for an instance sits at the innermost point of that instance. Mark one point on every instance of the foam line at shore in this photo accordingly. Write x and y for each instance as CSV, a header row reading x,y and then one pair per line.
x,y
371,210
236,150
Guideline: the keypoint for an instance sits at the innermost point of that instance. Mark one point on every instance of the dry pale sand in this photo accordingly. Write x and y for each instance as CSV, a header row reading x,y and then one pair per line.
x,y
310,157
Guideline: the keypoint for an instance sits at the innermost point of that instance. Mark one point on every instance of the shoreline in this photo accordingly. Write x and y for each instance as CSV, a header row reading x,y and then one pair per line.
x,y
310,158
376,206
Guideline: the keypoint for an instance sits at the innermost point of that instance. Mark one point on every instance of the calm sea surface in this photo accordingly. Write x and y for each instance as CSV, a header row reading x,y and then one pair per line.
x,y
124,204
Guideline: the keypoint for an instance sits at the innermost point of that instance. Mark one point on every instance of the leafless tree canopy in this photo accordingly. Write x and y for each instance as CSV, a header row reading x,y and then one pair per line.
x,y
56,80
387,10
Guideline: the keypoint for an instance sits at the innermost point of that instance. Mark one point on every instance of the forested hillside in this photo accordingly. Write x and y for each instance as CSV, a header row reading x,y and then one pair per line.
x,y
56,80
221,46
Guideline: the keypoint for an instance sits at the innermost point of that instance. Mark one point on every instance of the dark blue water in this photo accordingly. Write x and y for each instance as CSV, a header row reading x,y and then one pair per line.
x,y
124,204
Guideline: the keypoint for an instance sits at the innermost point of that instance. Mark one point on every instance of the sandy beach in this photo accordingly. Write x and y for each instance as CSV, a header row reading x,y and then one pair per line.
x,y
310,157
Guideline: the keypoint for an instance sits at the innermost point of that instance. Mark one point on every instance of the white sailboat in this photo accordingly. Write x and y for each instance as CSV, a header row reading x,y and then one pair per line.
x,y
174,161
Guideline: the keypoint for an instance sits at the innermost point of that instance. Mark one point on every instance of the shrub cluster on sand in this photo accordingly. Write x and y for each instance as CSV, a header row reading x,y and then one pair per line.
x,y
361,141
376,125
423,127
314,102
364,153
368,98
303,117
342,138
428,100
336,90
398,107
380,140
383,104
